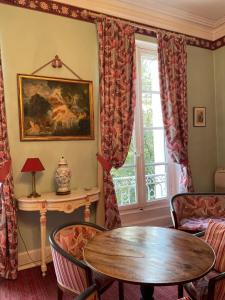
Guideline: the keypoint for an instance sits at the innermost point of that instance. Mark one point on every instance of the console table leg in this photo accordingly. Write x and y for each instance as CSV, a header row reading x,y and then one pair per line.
x,y
147,291
87,213
43,238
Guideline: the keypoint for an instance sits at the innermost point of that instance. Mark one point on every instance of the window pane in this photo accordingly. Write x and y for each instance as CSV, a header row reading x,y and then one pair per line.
x,y
154,148
147,109
130,160
125,185
156,182
156,111
151,109
149,76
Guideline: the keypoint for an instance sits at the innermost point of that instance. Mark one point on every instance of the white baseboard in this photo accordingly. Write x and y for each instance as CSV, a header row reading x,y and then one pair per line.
x,y
26,261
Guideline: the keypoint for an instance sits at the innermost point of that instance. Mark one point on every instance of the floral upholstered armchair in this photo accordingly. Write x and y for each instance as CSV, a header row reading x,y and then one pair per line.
x,y
191,212
212,285
73,275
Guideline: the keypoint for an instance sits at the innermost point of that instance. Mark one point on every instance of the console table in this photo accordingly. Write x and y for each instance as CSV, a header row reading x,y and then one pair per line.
x,y
52,202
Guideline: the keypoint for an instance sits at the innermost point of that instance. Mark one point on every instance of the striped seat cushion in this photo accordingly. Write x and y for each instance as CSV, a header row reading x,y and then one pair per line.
x,y
215,237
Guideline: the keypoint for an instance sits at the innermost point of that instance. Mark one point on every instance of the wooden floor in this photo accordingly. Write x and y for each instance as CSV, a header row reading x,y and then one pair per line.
x,y
31,286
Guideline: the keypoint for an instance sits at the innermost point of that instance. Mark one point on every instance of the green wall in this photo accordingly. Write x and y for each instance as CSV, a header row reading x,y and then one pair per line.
x,y
28,40
202,140
219,61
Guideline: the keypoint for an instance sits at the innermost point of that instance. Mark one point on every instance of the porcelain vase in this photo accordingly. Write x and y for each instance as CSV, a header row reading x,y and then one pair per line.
x,y
62,177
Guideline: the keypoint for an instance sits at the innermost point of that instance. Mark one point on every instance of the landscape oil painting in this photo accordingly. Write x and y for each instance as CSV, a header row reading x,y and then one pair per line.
x,y
55,108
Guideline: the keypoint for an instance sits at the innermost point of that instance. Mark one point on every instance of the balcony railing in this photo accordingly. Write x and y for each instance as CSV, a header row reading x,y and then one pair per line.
x,y
125,187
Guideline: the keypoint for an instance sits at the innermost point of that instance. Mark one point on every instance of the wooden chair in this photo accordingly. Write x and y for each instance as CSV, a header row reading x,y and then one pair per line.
x,y
91,293
191,212
73,275
211,286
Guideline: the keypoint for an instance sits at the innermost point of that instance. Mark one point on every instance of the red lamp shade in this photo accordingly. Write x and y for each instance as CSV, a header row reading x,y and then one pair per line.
x,y
32,165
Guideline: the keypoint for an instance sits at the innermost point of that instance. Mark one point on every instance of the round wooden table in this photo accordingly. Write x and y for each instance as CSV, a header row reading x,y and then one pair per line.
x,y
149,256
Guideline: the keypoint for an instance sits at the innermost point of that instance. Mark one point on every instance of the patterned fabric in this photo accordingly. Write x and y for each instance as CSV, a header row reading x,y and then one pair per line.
x,y
117,93
73,239
198,289
194,211
8,227
173,91
215,237
197,224
69,275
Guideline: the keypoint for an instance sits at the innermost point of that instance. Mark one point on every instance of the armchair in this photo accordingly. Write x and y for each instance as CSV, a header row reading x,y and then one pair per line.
x,y
73,275
211,286
191,212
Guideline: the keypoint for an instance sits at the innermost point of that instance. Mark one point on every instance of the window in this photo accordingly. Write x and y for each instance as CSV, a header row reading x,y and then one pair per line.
x,y
144,178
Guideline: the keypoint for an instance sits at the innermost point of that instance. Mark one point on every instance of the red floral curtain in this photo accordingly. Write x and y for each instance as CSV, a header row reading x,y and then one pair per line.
x,y
117,98
8,228
172,57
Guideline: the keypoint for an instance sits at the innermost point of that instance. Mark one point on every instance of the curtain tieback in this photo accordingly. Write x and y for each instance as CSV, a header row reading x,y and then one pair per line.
x,y
4,170
106,165
184,163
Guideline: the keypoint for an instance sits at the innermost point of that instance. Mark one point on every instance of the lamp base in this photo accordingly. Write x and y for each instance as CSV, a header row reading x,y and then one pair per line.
x,y
34,195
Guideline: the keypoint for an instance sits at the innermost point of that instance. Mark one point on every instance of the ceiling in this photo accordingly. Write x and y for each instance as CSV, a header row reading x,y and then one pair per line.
x,y
202,18
213,10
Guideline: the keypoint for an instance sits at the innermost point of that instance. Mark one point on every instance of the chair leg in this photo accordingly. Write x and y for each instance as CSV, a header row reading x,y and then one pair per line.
x,y
121,290
59,293
180,291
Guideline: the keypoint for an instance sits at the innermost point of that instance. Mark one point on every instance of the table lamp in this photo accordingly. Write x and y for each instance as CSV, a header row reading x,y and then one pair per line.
x,y
33,165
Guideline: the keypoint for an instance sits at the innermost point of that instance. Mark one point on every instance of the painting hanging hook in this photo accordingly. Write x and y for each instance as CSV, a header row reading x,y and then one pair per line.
x,y
56,63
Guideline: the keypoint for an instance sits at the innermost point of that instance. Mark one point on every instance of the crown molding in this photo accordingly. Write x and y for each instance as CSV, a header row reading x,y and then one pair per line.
x,y
170,19
219,32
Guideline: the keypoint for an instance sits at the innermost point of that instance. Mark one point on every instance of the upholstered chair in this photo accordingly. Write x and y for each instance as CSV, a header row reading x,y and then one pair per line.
x,y
191,212
211,286
73,275
91,293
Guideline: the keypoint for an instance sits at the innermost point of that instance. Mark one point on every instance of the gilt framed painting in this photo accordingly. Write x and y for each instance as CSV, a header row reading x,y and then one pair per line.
x,y
199,116
55,108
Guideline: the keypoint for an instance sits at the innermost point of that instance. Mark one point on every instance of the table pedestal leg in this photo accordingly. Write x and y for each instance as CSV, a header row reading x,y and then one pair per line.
x,y
147,291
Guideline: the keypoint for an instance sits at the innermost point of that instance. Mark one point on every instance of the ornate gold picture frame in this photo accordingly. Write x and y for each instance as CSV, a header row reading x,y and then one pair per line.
x,y
55,108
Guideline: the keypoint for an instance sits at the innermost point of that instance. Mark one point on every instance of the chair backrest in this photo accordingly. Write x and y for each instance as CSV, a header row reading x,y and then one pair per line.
x,y
198,205
215,237
67,243
90,293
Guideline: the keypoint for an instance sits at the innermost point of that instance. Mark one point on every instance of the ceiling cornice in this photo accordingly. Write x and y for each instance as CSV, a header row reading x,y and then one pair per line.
x,y
171,19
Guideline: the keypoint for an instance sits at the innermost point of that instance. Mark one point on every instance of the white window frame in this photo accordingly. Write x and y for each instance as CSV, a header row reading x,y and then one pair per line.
x,y
142,204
